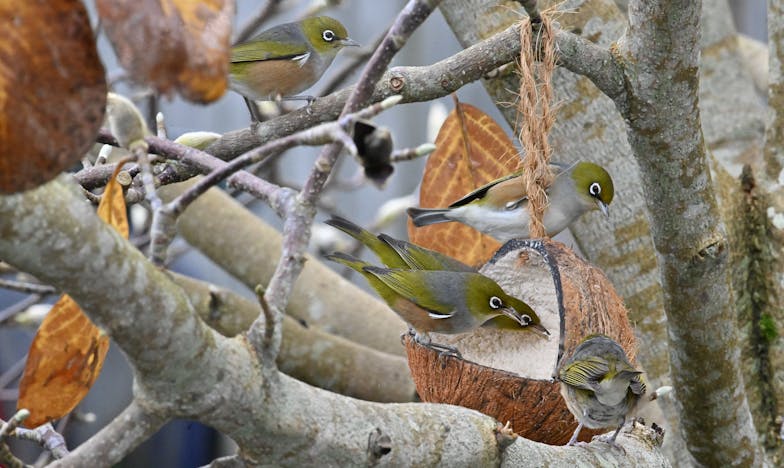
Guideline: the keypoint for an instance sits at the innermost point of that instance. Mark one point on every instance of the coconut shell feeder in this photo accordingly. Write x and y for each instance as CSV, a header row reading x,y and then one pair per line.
x,y
509,374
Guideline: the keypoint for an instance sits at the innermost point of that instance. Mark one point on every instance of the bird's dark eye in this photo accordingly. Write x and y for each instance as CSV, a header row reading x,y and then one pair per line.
x,y
526,319
496,303
595,189
328,35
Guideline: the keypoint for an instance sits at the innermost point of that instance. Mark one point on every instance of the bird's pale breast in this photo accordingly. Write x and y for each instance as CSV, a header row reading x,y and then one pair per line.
x,y
266,79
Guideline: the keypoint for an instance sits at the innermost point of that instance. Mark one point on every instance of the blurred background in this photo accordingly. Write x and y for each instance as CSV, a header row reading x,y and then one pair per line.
x,y
185,443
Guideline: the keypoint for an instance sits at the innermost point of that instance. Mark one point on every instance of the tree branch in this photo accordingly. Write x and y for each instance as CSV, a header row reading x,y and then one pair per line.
x,y
117,439
661,59
317,292
296,227
418,84
280,419
307,353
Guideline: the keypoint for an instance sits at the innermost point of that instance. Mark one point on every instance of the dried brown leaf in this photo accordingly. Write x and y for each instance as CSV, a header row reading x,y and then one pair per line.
x,y
52,90
112,207
64,360
451,173
178,45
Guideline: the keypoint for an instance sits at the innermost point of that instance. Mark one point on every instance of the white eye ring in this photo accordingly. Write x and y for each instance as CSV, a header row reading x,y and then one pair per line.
x,y
526,319
595,189
328,35
496,303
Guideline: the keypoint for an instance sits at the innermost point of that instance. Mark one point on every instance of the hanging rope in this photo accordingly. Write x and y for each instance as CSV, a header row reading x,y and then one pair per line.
x,y
536,115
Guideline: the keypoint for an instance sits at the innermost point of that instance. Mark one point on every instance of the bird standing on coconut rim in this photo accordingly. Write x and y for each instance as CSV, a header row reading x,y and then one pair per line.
x,y
600,386
499,208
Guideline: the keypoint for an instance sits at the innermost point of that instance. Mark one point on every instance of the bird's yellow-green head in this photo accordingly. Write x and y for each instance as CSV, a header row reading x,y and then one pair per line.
x,y
325,35
593,185
486,300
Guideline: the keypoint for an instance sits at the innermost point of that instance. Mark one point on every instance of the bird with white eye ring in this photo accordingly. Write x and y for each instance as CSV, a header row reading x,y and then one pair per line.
x,y
499,208
441,301
286,59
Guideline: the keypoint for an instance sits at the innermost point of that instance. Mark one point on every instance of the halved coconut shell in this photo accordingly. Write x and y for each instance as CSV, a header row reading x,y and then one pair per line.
x,y
509,374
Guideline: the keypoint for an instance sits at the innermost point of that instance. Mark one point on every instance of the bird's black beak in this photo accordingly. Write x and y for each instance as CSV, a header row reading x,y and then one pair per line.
x,y
539,329
348,42
603,207
525,321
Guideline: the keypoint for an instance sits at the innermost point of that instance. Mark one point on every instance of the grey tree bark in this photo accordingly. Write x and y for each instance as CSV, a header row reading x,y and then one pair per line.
x,y
687,282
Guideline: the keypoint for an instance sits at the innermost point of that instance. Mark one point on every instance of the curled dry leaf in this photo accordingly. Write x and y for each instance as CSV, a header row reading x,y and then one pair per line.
x,y
467,156
52,90
64,360
178,45
68,350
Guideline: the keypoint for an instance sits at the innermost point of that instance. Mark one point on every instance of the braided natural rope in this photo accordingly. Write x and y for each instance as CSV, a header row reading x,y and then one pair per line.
x,y
537,118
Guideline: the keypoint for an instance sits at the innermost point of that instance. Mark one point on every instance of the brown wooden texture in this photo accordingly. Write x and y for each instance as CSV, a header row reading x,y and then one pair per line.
x,y
534,407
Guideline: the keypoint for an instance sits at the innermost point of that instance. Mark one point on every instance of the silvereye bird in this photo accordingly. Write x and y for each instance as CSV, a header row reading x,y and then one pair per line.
x,y
448,302
499,208
395,253
286,59
599,385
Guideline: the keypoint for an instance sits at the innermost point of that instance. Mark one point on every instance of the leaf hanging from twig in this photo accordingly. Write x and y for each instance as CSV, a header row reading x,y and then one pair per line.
x,y
68,351
469,154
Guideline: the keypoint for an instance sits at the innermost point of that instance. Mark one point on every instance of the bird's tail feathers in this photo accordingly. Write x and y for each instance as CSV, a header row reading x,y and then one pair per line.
x,y
351,229
349,260
426,216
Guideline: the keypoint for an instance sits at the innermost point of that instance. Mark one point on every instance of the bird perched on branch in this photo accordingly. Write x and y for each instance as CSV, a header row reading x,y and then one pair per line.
x,y
599,385
440,301
286,59
499,208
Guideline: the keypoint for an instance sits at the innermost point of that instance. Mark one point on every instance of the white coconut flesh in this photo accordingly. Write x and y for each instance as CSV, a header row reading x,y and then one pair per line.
x,y
524,274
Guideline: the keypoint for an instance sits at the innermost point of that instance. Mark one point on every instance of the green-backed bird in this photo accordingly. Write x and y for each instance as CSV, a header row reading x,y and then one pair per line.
x,y
499,208
286,59
395,253
448,302
599,385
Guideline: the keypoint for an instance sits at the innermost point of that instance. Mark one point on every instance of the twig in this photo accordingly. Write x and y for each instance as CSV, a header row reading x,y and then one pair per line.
x,y
12,372
361,57
25,287
46,437
123,433
163,225
532,9
57,441
276,196
250,28
7,459
6,428
407,154
20,306
296,229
